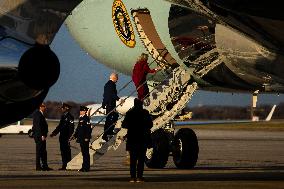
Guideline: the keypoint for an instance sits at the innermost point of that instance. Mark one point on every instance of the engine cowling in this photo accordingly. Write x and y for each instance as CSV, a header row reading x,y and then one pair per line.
x,y
24,88
12,112
39,67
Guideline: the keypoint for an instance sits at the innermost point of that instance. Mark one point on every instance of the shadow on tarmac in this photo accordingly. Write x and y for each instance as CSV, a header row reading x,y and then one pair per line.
x,y
271,173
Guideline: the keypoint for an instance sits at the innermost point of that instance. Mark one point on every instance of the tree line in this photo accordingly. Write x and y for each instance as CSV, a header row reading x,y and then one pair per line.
x,y
235,112
53,111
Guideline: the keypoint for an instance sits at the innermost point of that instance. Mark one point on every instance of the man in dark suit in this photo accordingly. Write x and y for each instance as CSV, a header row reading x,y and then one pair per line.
x,y
109,103
83,135
66,129
40,130
138,123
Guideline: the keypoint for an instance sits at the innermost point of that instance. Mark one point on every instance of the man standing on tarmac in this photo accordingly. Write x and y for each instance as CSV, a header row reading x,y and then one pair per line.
x,y
66,129
40,130
109,103
138,123
83,135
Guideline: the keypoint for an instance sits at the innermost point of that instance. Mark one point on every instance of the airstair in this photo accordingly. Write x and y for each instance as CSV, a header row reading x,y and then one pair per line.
x,y
165,101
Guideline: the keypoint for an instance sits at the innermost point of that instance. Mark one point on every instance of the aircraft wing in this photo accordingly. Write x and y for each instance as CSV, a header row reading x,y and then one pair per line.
x,y
31,21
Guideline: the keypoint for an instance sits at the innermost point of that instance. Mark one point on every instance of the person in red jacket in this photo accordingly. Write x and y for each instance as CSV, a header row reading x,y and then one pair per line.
x,y
139,73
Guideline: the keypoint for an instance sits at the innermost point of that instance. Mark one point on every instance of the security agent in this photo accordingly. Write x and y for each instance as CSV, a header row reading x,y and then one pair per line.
x,y
138,123
83,135
66,129
40,130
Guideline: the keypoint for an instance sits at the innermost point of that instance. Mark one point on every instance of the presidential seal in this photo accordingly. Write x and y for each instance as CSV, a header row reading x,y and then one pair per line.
x,y
122,24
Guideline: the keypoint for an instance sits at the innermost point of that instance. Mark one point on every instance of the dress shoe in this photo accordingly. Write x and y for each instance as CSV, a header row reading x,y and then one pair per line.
x,y
132,180
47,169
83,170
140,180
103,141
39,169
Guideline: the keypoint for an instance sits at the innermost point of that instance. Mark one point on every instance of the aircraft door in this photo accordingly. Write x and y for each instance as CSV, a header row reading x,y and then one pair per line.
x,y
151,39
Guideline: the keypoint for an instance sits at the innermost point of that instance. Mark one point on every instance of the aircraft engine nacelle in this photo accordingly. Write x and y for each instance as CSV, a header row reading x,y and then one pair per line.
x,y
14,111
24,87
39,67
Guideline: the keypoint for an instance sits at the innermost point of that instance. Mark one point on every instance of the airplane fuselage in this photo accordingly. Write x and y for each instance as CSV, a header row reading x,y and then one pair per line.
x,y
116,32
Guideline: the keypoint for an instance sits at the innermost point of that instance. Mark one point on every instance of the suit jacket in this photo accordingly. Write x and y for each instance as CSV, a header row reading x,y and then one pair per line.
x,y
110,95
83,131
40,127
65,127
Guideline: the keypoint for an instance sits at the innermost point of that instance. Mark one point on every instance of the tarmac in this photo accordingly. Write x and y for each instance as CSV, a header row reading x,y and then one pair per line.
x,y
227,159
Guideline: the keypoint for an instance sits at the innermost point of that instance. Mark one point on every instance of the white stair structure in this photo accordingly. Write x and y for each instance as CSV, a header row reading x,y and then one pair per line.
x,y
157,99
165,101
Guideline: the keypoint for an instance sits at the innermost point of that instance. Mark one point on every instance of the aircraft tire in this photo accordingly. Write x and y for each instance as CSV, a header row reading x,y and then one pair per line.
x,y
30,133
159,154
185,149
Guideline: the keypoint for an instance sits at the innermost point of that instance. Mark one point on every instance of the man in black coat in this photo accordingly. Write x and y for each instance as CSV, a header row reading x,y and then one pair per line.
x,y
83,135
109,103
40,130
138,123
66,129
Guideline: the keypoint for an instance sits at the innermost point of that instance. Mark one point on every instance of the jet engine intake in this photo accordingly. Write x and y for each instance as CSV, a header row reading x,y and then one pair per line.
x,y
39,67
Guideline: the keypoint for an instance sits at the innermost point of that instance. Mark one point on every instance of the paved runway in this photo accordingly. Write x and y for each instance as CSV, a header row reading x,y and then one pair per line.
x,y
227,159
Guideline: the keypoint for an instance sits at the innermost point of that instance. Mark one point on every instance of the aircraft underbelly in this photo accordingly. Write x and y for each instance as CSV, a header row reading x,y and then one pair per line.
x,y
247,64
250,61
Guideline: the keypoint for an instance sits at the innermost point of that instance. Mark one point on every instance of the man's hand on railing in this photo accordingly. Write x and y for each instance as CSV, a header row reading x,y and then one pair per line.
x,y
121,101
158,69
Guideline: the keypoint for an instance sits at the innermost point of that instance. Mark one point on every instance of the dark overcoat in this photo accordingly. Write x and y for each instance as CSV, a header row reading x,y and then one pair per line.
x,y
83,131
65,127
138,123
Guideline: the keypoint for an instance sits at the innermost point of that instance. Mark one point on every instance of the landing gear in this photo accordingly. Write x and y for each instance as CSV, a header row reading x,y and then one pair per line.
x,y
185,149
157,157
183,145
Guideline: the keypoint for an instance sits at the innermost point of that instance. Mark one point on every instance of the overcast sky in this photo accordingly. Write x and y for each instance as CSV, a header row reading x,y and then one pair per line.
x,y
82,79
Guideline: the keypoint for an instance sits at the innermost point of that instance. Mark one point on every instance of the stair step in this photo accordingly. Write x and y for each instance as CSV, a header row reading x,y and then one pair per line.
x,y
177,86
